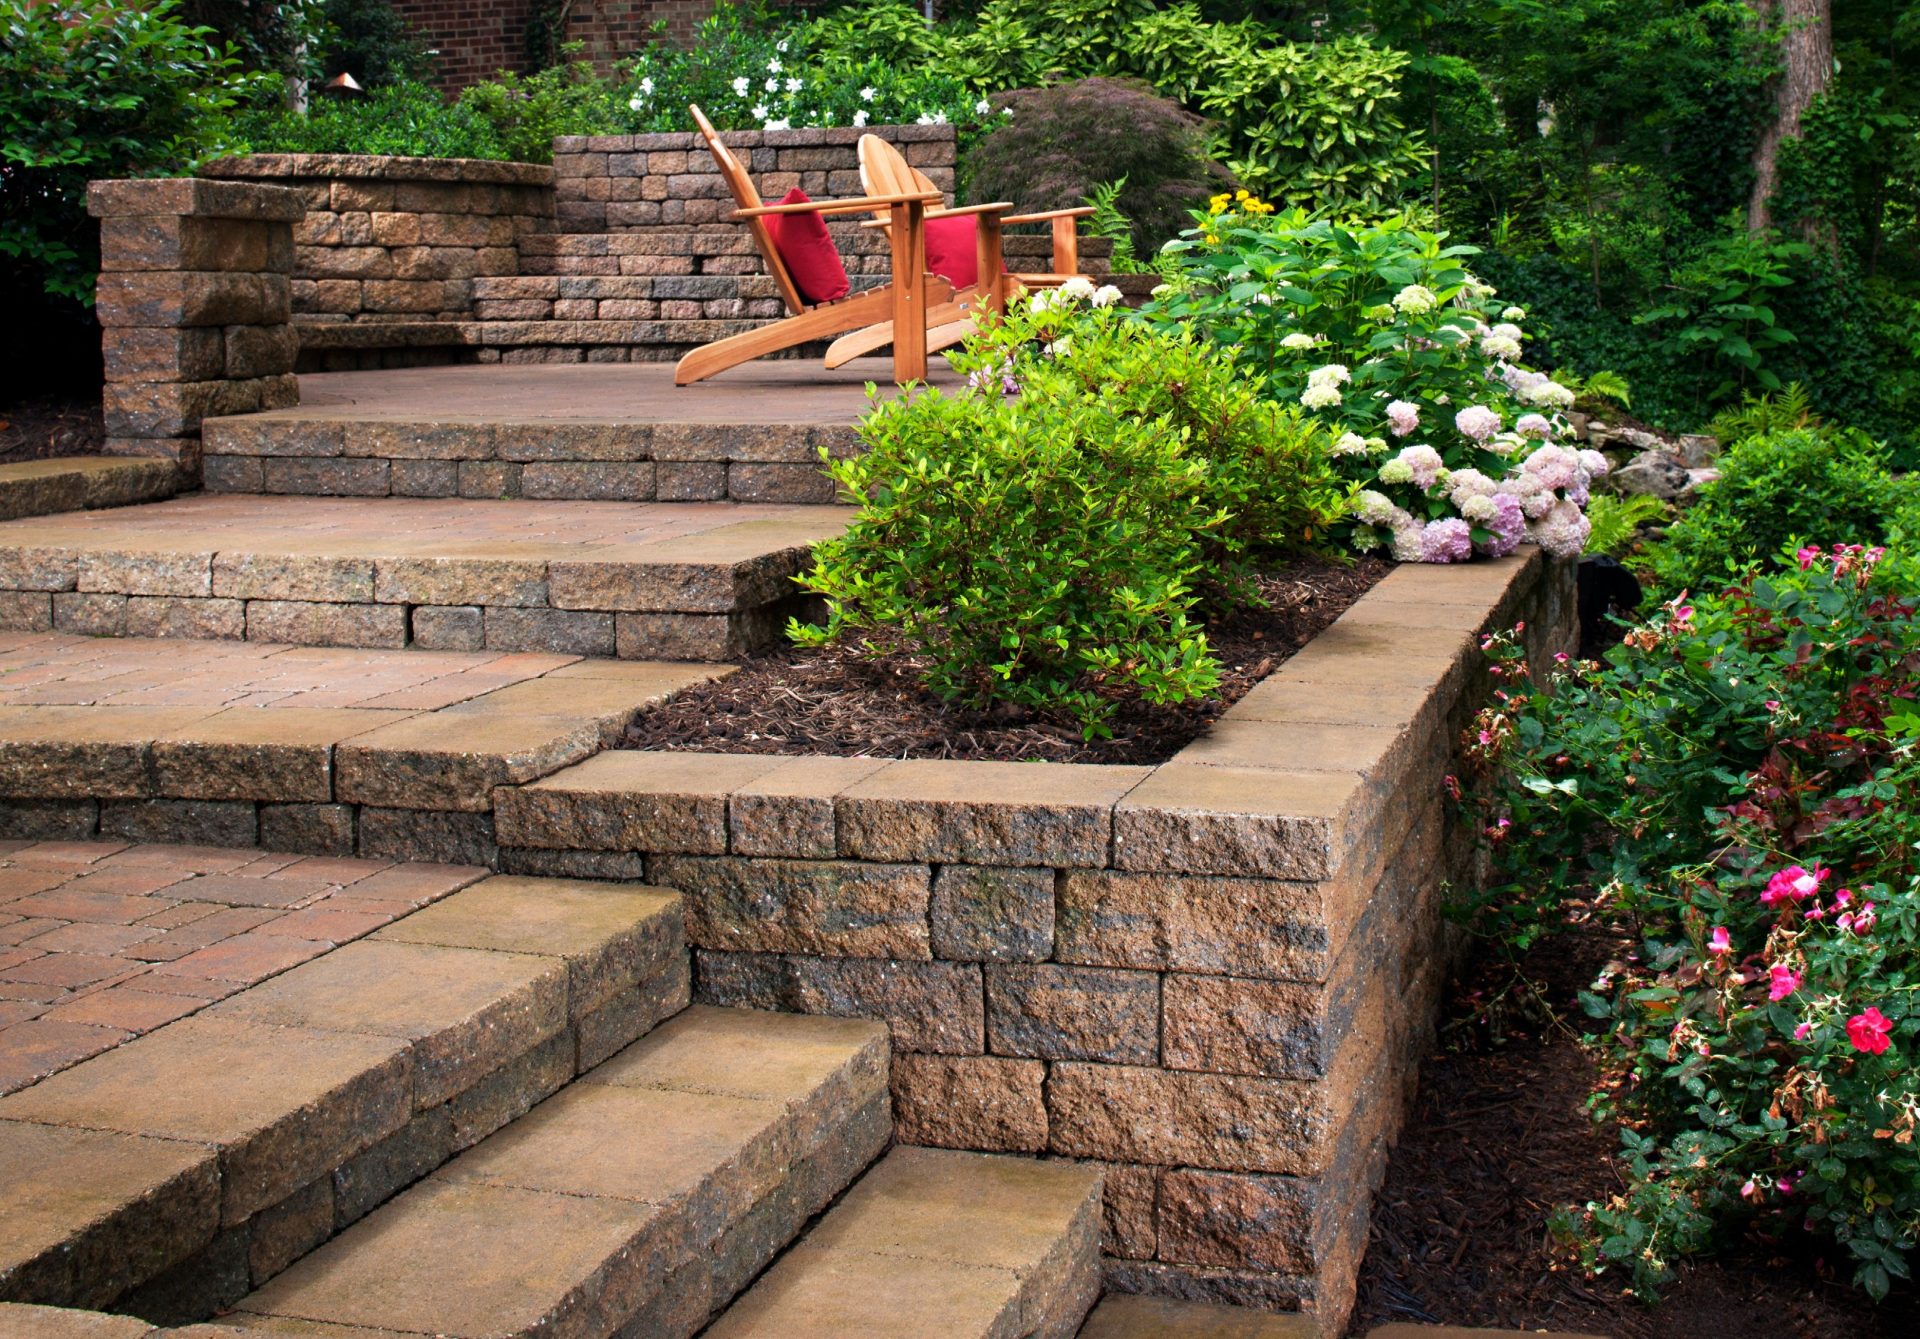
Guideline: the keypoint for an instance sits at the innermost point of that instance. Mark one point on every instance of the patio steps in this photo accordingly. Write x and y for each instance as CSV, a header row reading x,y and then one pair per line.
x,y
167,1176
636,581
75,483
635,1201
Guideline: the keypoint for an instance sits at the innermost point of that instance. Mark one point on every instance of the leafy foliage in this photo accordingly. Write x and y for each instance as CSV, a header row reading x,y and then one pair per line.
x,y
1616,520
1719,315
1063,141
525,112
406,119
106,89
1740,780
1050,548
368,40
1797,484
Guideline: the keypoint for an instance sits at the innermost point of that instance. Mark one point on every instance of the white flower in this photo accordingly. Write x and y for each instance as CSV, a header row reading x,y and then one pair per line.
x,y
860,117
1333,374
867,94
646,86
1534,425
1374,508
1514,314
773,66
761,111
1060,348
1413,299
1350,444
1006,111
1507,330
1042,300
781,46
1105,295
636,102
794,85
923,120
1403,417
1320,395
1501,347
778,125
1160,290
1477,421
1299,340
983,108
741,86
1077,289
939,118
772,85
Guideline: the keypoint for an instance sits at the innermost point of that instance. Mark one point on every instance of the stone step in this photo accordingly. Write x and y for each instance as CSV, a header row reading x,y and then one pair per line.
x,y
553,434
79,483
634,1202
167,1176
323,751
939,1245
637,581
1121,1316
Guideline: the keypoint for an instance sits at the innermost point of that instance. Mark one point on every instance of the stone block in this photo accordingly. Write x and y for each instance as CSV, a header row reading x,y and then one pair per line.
x,y
175,408
327,477
627,866
1232,1025
25,611
1195,819
588,480
424,478
690,481
414,834
784,483
829,907
510,1093
367,1180
489,479
87,615
198,619
196,196
278,1236
1052,1012
1236,1221
448,628
181,242
1127,1113
308,829
984,913
232,474
240,574
631,801
261,350
467,579
985,1103
931,1007
282,755
444,760
985,813
788,811
566,631
162,353
193,298
310,623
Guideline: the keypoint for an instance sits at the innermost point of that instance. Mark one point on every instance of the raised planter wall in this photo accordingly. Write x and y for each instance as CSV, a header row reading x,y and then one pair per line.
x,y
400,239
1215,977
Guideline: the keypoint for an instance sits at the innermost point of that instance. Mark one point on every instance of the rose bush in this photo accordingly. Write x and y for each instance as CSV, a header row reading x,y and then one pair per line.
x,y
1453,446
1741,782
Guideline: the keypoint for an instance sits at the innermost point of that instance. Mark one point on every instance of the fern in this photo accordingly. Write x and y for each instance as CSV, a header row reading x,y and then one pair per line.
x,y
1616,521
1758,415
1107,221
1601,385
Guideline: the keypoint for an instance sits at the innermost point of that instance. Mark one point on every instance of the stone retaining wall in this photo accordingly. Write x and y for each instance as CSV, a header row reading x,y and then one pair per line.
x,y
1215,977
400,239
193,303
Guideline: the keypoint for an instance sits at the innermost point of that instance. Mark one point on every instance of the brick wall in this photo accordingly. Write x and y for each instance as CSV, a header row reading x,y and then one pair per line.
x,y
476,38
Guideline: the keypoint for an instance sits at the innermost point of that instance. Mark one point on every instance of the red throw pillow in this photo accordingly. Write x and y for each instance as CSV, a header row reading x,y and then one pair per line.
x,y
951,252
807,250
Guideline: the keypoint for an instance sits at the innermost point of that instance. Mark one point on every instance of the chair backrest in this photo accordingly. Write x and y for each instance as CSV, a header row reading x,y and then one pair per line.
x,y
746,197
885,171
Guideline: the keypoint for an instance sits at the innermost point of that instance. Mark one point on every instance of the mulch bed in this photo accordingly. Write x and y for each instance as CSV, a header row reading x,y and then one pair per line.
x,y
835,701
1500,1136
40,428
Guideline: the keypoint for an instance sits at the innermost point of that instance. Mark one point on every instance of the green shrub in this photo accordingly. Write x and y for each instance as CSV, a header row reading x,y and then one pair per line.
x,y
1799,484
406,119
1740,783
527,111
106,89
1049,548
1063,142
1616,520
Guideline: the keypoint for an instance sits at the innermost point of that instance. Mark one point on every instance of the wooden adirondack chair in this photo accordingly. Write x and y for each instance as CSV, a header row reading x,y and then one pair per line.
x,y
884,171
911,302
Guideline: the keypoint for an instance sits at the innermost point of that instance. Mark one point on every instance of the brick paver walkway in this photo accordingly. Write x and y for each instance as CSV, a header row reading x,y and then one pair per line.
x,y
102,941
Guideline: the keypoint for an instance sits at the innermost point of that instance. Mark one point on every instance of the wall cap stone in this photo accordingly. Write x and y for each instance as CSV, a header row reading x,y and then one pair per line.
x,y
125,197
816,137
380,167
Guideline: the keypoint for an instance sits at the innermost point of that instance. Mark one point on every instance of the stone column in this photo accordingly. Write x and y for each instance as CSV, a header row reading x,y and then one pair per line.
x,y
194,301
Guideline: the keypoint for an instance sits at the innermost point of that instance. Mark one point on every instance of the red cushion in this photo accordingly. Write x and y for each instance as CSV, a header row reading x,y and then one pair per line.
x,y
808,252
951,253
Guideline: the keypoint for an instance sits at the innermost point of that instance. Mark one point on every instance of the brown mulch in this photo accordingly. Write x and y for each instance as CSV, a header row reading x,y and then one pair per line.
x,y
835,701
38,428
1500,1136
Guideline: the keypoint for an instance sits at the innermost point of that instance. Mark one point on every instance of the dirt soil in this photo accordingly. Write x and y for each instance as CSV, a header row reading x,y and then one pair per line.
x,y
1500,1136
38,428
837,702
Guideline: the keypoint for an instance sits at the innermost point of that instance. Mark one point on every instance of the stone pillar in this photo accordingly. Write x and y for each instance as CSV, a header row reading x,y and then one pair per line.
x,y
194,301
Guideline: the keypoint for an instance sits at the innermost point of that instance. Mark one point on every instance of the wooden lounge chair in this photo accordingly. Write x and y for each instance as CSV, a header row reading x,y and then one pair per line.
x,y
884,171
911,302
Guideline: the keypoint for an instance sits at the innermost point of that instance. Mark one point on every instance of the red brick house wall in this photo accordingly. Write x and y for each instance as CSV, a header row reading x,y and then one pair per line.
x,y
475,38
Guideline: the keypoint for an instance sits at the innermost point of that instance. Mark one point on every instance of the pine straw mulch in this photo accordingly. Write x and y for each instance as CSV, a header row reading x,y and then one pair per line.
x,y
40,428
1500,1136
835,701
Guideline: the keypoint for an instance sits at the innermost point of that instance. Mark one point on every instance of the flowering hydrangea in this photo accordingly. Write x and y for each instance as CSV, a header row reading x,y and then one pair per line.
x,y
1298,340
1534,425
1402,417
1503,347
1349,444
1320,395
1477,422
1563,531
1414,299
1449,540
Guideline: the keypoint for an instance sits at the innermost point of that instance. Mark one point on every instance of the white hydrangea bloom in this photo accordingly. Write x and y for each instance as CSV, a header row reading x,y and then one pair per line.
x,y
1333,374
1299,340
1320,395
1350,444
1413,299
1077,289
1514,314
1105,295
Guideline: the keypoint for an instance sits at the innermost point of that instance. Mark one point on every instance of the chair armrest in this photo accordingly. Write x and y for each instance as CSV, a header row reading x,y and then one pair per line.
x,y
862,205
956,212
1077,213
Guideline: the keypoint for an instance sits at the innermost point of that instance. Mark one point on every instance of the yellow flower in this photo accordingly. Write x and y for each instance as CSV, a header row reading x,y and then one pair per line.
x,y
1218,203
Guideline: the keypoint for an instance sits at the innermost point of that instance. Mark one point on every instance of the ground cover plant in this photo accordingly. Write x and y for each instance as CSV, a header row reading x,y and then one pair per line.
x,y
1045,535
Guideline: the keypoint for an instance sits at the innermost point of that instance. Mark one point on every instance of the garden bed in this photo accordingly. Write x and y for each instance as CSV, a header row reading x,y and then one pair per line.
x,y
836,702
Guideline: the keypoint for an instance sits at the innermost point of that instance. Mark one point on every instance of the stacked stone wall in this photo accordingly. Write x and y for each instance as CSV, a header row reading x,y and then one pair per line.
x,y
194,303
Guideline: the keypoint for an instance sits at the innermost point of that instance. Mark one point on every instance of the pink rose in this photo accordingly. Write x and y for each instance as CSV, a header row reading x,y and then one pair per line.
x,y
1719,941
1869,1031
1783,981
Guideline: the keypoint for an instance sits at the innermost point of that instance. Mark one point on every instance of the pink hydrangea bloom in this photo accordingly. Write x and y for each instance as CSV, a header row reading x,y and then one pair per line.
x,y
1870,1031
1423,464
1506,528
1782,981
1446,541
1563,531
1408,544
1534,497
1477,421
1595,464
1554,466
1720,941
1534,425
1403,417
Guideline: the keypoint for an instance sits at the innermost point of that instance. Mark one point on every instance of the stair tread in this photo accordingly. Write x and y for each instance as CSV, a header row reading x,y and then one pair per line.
x,y
70,483
212,1119
932,1242
585,1211
1120,1316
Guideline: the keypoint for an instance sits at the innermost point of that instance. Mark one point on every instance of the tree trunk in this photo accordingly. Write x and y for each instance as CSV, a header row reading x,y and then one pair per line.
x,y
1805,30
